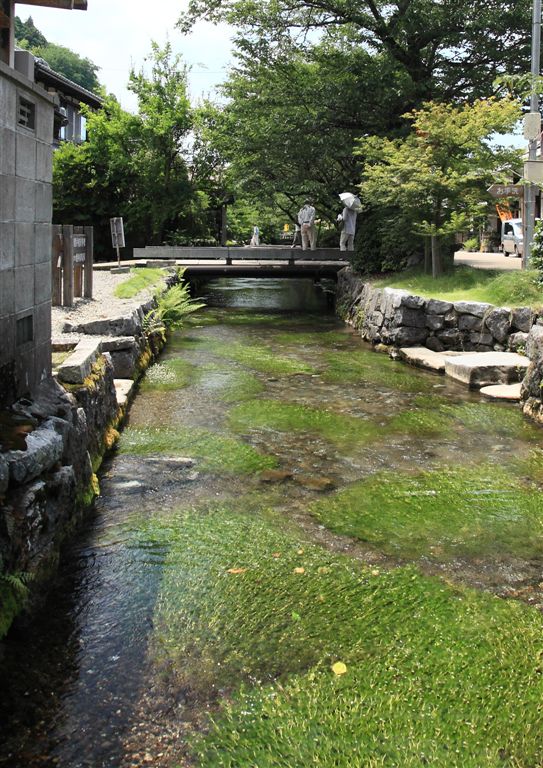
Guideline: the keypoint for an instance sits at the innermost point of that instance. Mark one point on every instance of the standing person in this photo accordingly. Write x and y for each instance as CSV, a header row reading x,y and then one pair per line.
x,y
306,220
348,218
255,239
296,240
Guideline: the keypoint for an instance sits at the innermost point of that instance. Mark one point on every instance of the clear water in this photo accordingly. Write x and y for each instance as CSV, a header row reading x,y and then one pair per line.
x,y
78,688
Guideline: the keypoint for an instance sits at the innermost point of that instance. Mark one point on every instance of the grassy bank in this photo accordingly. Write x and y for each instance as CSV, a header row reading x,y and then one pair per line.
x,y
511,289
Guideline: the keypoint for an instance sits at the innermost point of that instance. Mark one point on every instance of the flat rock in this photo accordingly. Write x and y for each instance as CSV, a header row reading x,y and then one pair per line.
x,y
502,391
275,475
123,389
481,369
76,367
315,483
423,357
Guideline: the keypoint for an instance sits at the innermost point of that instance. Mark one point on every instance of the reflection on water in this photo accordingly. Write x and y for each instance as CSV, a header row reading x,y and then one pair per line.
x,y
274,377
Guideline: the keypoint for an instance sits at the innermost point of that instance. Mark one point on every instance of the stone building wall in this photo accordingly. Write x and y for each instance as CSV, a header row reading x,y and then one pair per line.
x,y
26,134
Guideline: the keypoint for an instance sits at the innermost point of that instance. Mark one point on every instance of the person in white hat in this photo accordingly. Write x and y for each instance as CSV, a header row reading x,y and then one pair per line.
x,y
348,218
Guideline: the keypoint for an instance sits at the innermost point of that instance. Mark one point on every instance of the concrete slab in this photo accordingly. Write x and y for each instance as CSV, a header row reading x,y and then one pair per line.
x,y
76,367
481,369
123,390
503,391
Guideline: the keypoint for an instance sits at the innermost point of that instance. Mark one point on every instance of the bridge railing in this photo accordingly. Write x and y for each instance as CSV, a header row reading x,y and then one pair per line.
x,y
235,253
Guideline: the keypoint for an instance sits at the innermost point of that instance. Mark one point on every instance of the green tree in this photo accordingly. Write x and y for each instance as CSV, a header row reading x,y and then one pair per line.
x,y
63,60
68,63
438,175
449,49
133,165
28,34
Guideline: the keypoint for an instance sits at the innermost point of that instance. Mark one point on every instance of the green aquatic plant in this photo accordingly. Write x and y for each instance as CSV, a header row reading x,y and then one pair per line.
x,y
230,384
168,375
425,670
362,366
217,453
261,358
287,417
435,415
318,337
443,513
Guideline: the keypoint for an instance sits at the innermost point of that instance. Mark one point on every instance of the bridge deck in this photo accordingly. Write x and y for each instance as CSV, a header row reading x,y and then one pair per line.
x,y
269,261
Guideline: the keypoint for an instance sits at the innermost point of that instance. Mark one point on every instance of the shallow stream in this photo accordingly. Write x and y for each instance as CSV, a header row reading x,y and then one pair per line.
x,y
267,433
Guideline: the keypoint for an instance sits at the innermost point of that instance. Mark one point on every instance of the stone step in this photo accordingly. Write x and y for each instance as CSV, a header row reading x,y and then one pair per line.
x,y
502,391
76,367
422,357
123,390
481,369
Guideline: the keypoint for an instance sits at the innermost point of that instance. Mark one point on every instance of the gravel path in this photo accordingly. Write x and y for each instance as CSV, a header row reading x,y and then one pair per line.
x,y
104,304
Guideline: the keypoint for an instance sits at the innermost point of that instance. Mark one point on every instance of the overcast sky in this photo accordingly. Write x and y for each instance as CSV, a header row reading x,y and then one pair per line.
x,y
116,35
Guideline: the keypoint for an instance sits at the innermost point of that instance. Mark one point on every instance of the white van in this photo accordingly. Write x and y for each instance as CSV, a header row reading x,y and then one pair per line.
x,y
512,238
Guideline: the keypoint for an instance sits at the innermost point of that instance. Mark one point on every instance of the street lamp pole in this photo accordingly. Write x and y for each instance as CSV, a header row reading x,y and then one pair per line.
x,y
530,191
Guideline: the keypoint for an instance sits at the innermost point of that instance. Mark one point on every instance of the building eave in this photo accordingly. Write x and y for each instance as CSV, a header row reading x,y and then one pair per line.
x,y
68,5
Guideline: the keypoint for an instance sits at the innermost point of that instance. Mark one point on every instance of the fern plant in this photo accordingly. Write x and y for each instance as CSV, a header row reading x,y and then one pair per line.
x,y
172,308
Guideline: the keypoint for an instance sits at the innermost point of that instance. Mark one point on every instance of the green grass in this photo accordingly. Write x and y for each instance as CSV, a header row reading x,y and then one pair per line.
x,y
435,676
288,417
512,288
442,513
217,453
140,279
168,375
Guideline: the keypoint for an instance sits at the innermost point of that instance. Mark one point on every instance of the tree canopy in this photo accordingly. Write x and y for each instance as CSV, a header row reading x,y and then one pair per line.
x,y
80,70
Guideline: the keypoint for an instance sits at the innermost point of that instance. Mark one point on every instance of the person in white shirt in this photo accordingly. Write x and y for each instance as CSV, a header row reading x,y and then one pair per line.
x,y
306,220
255,239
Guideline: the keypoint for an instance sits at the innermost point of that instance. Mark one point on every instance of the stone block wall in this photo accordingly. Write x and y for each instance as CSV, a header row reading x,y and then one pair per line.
x,y
25,234
400,319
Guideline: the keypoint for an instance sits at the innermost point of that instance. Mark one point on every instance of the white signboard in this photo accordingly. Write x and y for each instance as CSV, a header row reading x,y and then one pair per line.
x,y
117,232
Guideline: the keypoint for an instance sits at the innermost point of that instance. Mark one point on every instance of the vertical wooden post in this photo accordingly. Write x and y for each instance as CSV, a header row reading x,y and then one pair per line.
x,y
78,268
89,261
68,266
56,265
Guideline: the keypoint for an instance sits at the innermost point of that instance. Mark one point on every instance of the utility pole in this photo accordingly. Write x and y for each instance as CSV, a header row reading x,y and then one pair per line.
x,y
530,191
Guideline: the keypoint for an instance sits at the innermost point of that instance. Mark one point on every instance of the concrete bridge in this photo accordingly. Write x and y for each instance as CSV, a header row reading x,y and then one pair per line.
x,y
263,261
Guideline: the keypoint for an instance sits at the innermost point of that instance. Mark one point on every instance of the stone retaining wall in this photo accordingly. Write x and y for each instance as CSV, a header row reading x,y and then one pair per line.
x,y
46,488
397,318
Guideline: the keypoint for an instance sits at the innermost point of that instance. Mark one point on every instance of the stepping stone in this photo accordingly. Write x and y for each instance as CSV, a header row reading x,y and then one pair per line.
x,y
481,369
423,357
503,391
123,388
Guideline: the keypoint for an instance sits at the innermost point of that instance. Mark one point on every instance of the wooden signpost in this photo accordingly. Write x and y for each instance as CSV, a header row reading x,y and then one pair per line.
x,y
117,236
72,262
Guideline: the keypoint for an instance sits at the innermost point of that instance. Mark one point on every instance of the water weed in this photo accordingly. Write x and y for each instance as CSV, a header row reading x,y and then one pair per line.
x,y
427,674
443,513
365,367
287,417
261,358
168,375
217,453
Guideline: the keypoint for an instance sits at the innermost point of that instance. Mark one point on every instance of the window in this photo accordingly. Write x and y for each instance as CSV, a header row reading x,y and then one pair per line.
x,y
25,330
27,113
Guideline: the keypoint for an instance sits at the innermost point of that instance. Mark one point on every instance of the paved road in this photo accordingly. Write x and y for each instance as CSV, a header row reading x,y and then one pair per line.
x,y
487,260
